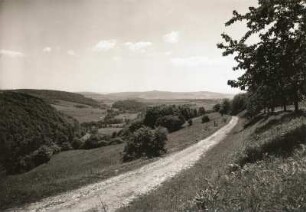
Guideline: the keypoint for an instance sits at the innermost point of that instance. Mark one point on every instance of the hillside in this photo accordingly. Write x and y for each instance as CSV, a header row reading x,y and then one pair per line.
x,y
260,166
158,95
52,96
31,131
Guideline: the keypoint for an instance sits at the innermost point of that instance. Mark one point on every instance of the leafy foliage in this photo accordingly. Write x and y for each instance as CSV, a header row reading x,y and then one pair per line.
x,y
129,105
171,122
31,131
205,119
145,142
225,107
238,103
275,65
159,115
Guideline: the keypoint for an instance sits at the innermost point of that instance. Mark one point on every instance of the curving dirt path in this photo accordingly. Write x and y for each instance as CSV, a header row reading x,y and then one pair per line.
x,y
118,191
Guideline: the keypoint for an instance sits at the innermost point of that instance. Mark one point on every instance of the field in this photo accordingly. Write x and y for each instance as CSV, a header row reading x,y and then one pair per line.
x,y
109,130
222,180
207,103
82,167
82,113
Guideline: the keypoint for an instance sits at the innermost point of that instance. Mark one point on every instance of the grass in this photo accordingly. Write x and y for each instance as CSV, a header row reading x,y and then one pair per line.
x,y
231,177
109,130
178,193
85,113
207,103
73,169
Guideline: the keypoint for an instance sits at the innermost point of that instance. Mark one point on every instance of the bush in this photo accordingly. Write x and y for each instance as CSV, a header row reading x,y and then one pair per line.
x,y
42,155
95,141
145,142
116,141
92,143
217,107
225,107
135,125
205,119
202,111
76,143
238,104
66,146
172,123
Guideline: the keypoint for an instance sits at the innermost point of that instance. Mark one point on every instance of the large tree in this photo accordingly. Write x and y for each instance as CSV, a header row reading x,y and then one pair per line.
x,y
275,65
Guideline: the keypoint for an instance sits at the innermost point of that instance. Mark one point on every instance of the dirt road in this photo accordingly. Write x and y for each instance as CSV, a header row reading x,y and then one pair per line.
x,y
118,191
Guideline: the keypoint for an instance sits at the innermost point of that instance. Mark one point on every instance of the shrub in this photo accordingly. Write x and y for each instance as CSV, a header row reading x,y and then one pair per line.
x,y
172,123
135,125
66,146
225,107
238,104
145,142
205,119
93,143
217,107
42,155
202,111
116,141
76,143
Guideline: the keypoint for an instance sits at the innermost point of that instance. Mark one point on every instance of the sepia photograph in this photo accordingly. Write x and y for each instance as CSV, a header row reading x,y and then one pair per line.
x,y
152,105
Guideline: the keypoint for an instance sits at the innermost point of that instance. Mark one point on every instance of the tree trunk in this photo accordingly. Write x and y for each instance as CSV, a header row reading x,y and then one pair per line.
x,y
285,107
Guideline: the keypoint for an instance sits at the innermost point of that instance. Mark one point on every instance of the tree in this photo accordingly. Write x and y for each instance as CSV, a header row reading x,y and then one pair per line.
x,y
202,111
217,107
172,123
238,103
205,119
275,64
225,107
145,142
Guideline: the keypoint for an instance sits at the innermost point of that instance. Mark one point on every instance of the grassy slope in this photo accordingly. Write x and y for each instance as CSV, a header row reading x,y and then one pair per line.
x,y
72,169
85,113
275,182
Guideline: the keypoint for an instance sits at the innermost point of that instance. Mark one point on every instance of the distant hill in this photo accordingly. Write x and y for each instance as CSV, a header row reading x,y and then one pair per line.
x,y
158,95
31,131
52,96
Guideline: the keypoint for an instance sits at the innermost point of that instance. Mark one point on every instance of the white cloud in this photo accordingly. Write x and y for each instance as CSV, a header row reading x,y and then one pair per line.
x,y
105,45
10,53
71,53
168,53
140,46
172,37
47,49
195,61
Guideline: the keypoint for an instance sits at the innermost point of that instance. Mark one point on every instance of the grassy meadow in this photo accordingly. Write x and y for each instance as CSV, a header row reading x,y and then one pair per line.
x,y
82,113
73,169
259,167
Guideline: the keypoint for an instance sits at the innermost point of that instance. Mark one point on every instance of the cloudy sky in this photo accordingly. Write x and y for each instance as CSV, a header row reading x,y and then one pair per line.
x,y
116,45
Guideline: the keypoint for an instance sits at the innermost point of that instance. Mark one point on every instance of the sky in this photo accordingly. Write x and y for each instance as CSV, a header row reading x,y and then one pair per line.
x,y
117,45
